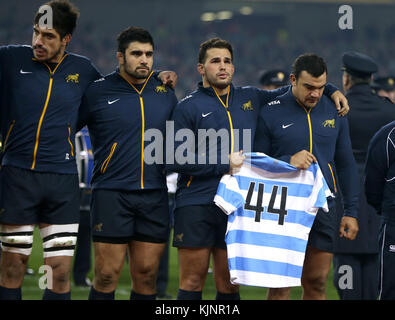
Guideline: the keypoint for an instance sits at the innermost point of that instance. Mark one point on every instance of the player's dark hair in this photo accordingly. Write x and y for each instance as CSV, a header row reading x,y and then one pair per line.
x,y
132,34
214,43
311,63
64,19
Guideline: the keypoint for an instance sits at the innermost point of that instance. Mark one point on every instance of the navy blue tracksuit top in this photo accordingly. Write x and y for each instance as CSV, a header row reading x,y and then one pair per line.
x,y
285,128
118,115
203,110
380,172
39,108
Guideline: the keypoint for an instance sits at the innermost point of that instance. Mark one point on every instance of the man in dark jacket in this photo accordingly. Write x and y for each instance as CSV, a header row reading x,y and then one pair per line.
x,y
356,263
300,127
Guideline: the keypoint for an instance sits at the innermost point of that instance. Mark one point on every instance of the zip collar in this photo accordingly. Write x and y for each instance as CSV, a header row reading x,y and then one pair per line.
x,y
46,64
210,91
132,85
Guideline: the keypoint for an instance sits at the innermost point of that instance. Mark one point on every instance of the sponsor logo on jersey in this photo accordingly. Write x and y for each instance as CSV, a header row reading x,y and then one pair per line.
x,y
25,72
392,247
274,102
113,101
187,97
285,126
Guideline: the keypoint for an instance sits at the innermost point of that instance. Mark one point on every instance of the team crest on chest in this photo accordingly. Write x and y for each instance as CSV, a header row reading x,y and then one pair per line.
x,y
247,106
73,78
160,89
329,123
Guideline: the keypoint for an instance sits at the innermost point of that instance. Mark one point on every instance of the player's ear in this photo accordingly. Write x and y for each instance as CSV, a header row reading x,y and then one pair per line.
x,y
66,39
120,58
200,69
292,79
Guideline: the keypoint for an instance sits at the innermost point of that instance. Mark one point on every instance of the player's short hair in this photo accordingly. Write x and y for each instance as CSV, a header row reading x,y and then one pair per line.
x,y
133,34
311,63
65,16
214,43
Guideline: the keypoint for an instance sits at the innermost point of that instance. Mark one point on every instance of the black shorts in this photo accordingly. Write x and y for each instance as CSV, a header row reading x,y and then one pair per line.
x,y
200,226
323,230
122,216
31,197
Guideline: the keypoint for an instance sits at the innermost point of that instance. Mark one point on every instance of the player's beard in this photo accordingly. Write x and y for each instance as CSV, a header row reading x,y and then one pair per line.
x,y
214,82
55,56
136,74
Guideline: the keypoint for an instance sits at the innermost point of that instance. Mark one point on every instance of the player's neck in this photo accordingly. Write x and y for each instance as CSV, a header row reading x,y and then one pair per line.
x,y
220,91
131,79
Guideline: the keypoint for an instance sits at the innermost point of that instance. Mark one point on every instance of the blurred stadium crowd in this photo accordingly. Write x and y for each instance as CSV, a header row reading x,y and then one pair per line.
x,y
261,41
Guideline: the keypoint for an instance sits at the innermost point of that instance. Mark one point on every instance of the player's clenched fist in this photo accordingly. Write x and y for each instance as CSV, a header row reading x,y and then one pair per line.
x,y
302,159
348,228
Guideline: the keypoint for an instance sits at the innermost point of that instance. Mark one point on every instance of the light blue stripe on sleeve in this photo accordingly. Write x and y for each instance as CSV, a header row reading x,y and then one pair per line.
x,y
266,239
232,197
269,164
321,197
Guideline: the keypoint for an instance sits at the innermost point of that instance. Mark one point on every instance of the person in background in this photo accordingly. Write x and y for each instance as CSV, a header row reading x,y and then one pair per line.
x,y
273,79
385,87
82,258
355,263
380,193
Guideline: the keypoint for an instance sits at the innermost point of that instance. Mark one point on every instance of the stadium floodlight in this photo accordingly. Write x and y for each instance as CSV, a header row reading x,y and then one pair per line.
x,y
208,16
246,10
224,15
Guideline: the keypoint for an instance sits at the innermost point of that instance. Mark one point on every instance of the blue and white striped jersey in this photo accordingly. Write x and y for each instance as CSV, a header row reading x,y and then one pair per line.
x,y
271,207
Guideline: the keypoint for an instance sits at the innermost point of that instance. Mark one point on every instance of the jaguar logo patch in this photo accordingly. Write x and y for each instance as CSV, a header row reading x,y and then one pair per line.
x,y
247,106
160,89
329,123
73,78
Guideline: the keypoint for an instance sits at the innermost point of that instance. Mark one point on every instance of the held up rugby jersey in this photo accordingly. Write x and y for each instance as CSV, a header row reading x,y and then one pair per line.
x,y
229,122
271,207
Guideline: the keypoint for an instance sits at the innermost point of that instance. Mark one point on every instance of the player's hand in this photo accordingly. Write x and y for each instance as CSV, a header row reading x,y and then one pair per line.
x,y
302,159
168,78
236,160
341,103
348,228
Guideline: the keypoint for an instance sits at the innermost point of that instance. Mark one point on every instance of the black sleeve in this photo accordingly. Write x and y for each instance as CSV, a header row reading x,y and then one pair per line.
x,y
376,171
347,170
